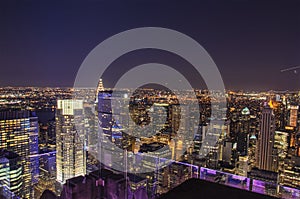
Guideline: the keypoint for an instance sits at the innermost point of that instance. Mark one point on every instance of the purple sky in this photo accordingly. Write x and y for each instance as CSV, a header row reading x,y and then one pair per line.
x,y
43,44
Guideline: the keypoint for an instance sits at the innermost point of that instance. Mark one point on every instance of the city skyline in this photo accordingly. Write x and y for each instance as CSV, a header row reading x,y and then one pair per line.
x,y
254,148
149,99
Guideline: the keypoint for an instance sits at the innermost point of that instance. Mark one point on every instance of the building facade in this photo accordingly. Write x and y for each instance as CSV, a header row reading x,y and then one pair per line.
x,y
71,155
264,153
19,133
11,172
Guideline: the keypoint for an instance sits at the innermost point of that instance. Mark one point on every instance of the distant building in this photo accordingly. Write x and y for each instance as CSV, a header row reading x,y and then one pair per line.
x,y
243,166
110,131
70,156
265,144
47,178
175,174
227,148
45,183
297,143
263,179
213,143
293,119
19,133
281,147
48,163
105,113
138,187
290,175
243,131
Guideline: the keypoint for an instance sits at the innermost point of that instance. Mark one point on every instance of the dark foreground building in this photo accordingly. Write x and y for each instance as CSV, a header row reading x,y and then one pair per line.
x,y
199,189
102,184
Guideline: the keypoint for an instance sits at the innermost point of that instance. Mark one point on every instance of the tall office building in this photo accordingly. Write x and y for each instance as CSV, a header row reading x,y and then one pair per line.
x,y
11,172
293,116
70,155
227,148
19,133
264,153
297,143
105,112
47,179
243,132
105,123
91,119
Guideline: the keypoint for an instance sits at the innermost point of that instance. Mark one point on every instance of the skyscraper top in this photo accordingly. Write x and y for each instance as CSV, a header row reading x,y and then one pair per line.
x,y
16,114
246,111
100,87
68,107
8,154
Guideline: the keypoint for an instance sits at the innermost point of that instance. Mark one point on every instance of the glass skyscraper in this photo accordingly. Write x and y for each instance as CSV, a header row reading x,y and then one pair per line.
x,y
19,133
70,156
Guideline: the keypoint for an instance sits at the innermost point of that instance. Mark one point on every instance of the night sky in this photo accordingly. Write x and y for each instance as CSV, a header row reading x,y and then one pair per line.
x,y
44,44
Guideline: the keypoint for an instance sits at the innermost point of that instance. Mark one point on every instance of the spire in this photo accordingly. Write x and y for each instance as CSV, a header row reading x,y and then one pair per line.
x,y
100,87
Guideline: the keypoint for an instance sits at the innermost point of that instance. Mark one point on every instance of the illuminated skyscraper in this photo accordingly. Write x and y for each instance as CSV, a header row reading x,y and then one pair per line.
x,y
11,172
105,112
243,132
70,156
19,133
264,153
100,87
293,116
92,135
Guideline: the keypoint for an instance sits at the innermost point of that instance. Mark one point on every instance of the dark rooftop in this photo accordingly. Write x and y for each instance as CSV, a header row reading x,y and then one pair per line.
x,y
16,114
116,176
76,180
101,173
135,178
196,188
47,194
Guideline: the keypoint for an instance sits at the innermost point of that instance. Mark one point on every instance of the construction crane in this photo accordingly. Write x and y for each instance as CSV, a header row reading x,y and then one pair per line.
x,y
291,69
